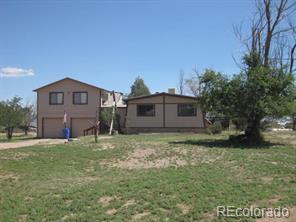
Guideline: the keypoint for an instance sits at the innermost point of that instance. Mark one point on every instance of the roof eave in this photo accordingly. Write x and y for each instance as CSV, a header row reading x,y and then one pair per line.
x,y
159,94
42,87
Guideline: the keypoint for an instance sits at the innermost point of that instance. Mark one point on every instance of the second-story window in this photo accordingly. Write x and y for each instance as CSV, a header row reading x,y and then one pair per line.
x,y
80,98
56,98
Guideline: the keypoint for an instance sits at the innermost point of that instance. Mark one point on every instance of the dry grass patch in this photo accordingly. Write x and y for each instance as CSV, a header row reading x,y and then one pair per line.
x,y
28,200
139,216
104,146
142,153
105,200
165,211
146,158
68,202
267,179
111,211
184,208
22,218
209,216
267,202
133,163
67,217
90,169
9,176
129,203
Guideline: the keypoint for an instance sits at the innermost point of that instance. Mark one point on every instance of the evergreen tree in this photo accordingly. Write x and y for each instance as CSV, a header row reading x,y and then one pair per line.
x,y
139,88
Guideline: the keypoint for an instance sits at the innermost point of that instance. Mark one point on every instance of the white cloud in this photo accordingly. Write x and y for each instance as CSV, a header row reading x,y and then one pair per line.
x,y
15,72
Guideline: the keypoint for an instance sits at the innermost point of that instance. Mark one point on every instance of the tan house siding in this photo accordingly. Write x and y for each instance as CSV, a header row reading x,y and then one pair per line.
x,y
173,120
67,86
166,117
132,120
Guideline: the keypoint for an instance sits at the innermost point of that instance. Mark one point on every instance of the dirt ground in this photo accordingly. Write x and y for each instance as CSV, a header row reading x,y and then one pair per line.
x,y
291,218
32,142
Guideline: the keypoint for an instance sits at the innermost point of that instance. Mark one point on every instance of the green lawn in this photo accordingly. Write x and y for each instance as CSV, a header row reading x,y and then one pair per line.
x,y
175,177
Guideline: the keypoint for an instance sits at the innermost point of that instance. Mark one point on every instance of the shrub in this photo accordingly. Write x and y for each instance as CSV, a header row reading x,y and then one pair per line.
x,y
223,120
239,123
215,128
106,117
2,129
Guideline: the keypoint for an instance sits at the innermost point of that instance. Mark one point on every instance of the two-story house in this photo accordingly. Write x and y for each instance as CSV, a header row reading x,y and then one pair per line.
x,y
81,102
78,105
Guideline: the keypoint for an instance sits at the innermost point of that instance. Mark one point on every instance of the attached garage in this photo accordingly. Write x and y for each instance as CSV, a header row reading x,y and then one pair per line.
x,y
52,127
78,125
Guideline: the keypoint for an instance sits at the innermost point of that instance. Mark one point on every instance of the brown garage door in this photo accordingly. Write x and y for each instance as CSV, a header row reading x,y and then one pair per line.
x,y
78,125
53,127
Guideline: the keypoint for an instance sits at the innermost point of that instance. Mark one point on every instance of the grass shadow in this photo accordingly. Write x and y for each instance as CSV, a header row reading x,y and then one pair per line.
x,y
224,143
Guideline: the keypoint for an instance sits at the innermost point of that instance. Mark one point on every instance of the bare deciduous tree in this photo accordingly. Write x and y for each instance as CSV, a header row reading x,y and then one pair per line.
x,y
270,33
292,50
29,116
181,84
193,83
292,70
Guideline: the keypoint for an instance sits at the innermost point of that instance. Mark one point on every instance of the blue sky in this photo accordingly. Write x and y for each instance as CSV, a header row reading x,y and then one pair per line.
x,y
110,43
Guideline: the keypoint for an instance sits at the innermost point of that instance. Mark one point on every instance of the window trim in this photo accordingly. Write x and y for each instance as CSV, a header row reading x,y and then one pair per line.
x,y
73,98
50,103
146,104
178,110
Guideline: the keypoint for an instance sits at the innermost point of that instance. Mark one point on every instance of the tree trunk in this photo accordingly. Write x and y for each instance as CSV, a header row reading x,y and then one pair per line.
x,y
97,125
117,113
267,49
294,123
26,132
292,58
9,132
96,134
252,132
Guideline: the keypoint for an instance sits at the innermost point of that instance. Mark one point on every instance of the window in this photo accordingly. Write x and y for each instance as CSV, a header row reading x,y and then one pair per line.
x,y
80,98
56,98
186,110
146,110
